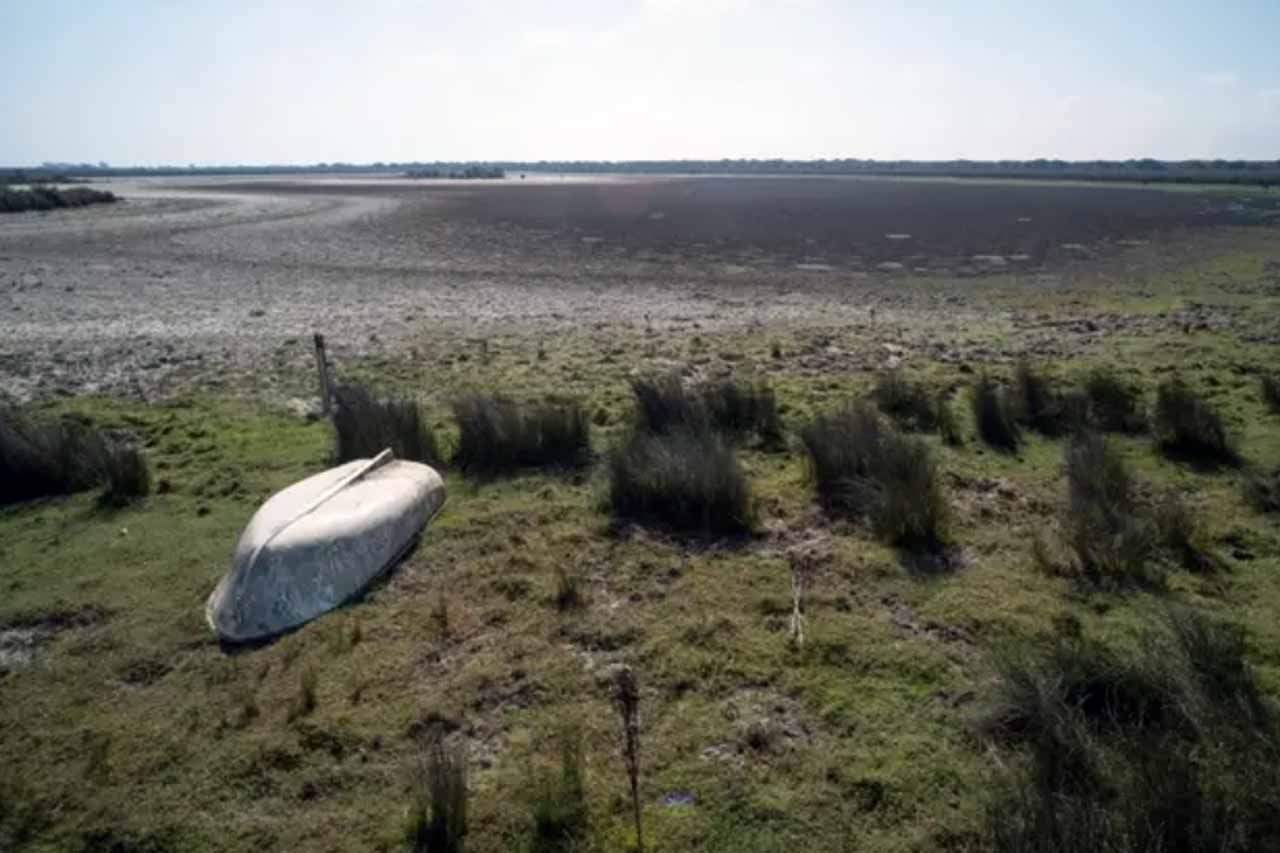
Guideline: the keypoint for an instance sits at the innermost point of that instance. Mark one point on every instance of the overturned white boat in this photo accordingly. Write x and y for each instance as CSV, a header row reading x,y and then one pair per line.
x,y
315,544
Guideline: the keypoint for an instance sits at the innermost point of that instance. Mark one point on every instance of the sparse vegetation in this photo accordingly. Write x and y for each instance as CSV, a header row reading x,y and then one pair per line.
x,y
1114,405
500,436
1168,746
304,702
625,689
365,426
859,466
568,589
684,481
994,415
559,807
1188,426
438,808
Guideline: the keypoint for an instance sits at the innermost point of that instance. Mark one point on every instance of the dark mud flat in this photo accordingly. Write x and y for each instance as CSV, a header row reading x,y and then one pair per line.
x,y
840,218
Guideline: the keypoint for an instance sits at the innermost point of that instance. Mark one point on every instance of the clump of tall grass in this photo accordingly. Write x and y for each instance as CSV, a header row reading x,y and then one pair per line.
x,y
909,403
1165,745
861,467
1270,383
948,424
664,404
1188,426
1114,405
364,426
1114,537
438,807
1262,490
688,482
1044,409
995,415
499,436
40,458
127,477
1109,534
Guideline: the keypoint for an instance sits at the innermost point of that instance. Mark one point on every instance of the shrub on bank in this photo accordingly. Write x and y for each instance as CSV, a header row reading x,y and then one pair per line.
x,y
364,426
51,198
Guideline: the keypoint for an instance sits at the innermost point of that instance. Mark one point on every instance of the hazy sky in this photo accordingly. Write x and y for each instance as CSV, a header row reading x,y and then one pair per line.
x,y
220,81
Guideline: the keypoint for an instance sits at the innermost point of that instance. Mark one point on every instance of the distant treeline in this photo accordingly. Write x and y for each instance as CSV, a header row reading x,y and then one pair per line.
x,y
41,197
36,176
468,173
1256,172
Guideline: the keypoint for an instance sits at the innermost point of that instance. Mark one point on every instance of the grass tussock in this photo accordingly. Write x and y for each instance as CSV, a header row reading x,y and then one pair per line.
x,y
687,482
1114,405
41,458
559,804
1042,408
125,470
1182,534
1112,535
1112,539
438,807
1262,490
861,467
497,435
1189,427
909,403
1167,745
51,198
948,424
995,416
364,426
1270,383
664,404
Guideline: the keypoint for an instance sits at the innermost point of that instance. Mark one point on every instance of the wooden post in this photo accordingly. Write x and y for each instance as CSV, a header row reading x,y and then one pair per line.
x,y
322,368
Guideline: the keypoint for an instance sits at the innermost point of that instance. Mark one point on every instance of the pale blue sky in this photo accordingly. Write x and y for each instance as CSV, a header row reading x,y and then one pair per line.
x,y
257,82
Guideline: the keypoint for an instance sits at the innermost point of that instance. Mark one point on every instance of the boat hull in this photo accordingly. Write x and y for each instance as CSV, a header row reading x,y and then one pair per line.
x,y
319,542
